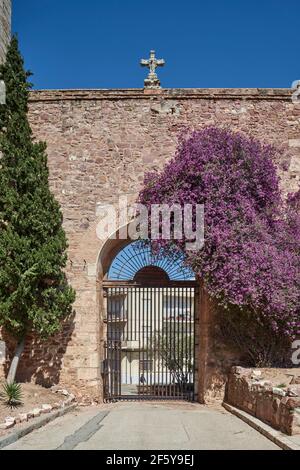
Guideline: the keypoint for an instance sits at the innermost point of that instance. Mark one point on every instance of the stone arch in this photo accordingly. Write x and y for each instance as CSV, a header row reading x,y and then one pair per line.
x,y
205,317
109,250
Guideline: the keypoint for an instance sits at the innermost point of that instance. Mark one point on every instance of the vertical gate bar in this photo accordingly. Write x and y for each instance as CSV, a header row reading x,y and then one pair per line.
x,y
117,347
119,342
112,364
119,339
106,385
171,352
123,338
118,350
135,317
143,342
141,303
189,341
153,352
191,344
115,371
107,342
192,341
147,339
178,342
139,337
171,342
195,294
110,345
185,357
173,336
128,314
115,356
131,314
131,334
165,342
174,339
186,346
182,338
157,338
146,342
114,349
170,326
150,334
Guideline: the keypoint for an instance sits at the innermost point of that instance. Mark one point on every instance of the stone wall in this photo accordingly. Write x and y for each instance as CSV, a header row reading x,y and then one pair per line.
x,y
279,407
100,144
5,26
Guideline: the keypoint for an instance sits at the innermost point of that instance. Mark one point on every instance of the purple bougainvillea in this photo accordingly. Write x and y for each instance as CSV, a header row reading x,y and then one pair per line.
x,y
250,258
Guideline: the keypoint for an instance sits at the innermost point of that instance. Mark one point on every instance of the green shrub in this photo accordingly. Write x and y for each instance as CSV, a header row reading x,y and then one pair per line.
x,y
12,394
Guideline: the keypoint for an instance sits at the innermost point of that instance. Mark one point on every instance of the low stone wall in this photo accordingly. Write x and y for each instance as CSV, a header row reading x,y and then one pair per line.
x,y
279,407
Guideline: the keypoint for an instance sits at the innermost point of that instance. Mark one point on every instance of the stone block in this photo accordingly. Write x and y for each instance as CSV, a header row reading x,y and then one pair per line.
x,y
293,391
46,408
36,412
89,373
279,391
295,380
7,425
23,417
10,419
294,142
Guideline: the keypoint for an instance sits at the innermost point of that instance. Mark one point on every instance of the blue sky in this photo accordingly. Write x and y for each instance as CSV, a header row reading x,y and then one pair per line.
x,y
98,43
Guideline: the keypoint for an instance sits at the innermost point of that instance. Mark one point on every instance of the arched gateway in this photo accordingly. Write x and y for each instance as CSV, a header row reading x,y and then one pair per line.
x,y
149,327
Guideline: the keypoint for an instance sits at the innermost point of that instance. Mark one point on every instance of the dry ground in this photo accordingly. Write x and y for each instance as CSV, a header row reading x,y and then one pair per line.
x,y
33,396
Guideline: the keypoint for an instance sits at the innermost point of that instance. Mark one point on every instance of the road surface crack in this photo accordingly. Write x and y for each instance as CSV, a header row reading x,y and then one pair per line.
x,y
84,433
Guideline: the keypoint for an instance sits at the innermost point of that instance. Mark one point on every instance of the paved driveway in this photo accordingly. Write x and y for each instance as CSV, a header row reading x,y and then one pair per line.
x,y
140,425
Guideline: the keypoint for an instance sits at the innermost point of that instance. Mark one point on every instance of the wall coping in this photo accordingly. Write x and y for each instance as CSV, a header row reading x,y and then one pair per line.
x,y
267,94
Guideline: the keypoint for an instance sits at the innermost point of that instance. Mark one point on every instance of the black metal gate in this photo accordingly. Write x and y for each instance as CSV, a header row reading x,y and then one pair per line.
x,y
150,345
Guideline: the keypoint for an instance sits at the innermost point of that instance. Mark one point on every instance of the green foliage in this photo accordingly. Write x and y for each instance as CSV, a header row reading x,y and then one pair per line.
x,y
176,352
34,293
12,394
257,345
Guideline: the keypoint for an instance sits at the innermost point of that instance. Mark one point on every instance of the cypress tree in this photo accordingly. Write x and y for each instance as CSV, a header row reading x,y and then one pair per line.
x,y
34,293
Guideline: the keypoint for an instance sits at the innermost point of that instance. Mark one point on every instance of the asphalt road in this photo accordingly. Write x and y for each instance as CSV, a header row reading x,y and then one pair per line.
x,y
144,426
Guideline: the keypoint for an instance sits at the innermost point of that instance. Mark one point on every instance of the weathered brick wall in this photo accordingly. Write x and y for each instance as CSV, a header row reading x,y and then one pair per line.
x,y
100,143
5,26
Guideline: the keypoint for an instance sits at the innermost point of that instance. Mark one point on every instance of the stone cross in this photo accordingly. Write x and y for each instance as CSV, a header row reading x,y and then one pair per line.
x,y
152,63
296,92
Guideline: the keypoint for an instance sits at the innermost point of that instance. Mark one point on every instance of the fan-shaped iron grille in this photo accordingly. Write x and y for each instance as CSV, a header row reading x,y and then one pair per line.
x,y
136,256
